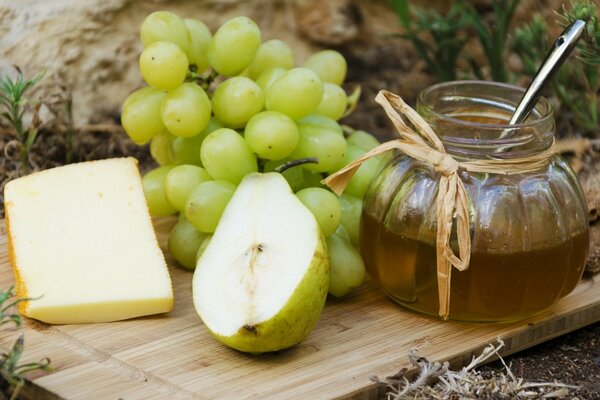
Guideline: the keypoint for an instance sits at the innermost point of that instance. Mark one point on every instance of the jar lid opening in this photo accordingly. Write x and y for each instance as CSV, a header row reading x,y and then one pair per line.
x,y
443,100
461,111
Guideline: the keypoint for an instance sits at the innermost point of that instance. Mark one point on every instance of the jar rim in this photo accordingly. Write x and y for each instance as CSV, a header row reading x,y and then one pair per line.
x,y
543,106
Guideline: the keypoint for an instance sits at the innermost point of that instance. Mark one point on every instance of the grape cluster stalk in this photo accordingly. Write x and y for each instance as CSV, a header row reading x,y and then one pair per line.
x,y
221,106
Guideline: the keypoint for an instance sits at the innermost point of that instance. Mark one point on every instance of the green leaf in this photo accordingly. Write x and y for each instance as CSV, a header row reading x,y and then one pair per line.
x,y
401,9
14,318
43,365
15,353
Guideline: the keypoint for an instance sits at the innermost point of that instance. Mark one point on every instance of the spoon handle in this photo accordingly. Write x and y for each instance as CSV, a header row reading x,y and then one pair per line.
x,y
555,58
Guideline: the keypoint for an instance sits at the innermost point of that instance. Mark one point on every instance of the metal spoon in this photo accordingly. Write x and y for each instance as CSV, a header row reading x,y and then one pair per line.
x,y
563,46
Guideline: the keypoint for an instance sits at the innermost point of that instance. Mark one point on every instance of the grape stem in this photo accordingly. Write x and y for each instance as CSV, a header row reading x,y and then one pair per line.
x,y
294,163
348,130
352,101
203,80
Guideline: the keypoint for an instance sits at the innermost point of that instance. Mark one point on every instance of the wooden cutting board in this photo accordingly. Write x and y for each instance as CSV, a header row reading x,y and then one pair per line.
x,y
173,356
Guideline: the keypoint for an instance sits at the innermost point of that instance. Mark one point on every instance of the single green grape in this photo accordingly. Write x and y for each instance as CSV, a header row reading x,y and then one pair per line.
x,y
272,135
321,137
296,93
362,178
342,232
163,65
271,54
181,217
164,26
225,155
351,209
141,92
330,65
334,101
187,150
245,73
321,123
184,242
154,190
160,148
206,204
312,179
203,246
346,266
199,39
325,207
363,139
180,182
294,175
268,77
141,114
186,110
234,46
236,100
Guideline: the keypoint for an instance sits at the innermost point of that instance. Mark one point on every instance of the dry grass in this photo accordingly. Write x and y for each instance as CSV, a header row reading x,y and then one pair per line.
x,y
435,380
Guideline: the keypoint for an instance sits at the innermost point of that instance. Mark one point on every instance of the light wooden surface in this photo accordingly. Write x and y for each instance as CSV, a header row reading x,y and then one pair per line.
x,y
173,356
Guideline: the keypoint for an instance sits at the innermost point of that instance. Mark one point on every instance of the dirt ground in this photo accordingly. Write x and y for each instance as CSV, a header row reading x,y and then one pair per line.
x,y
573,359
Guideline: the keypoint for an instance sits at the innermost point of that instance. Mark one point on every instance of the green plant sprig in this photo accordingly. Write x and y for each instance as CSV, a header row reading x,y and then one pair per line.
x,y
446,31
577,83
589,46
10,369
450,32
6,310
531,43
13,372
494,37
13,102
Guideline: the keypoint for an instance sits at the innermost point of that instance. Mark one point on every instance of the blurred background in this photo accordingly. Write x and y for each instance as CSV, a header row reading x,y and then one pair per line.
x,y
90,48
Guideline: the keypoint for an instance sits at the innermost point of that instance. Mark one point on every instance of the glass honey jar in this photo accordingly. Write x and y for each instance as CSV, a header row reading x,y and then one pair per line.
x,y
529,231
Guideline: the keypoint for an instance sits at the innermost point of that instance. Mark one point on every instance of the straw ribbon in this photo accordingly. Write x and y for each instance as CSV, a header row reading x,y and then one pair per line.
x,y
421,143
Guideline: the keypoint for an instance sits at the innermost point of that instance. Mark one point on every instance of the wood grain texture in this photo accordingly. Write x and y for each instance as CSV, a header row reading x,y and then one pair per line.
x,y
173,357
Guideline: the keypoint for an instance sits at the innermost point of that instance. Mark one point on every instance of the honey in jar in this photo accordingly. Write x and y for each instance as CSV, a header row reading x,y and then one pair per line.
x,y
529,231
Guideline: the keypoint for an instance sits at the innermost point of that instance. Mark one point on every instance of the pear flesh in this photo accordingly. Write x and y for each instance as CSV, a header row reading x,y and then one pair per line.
x,y
261,283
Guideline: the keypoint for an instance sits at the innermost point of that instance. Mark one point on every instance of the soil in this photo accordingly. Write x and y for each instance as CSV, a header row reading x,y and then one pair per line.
x,y
572,359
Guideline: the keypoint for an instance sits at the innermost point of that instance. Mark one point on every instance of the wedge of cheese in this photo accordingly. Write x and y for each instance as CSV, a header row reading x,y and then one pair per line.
x,y
82,245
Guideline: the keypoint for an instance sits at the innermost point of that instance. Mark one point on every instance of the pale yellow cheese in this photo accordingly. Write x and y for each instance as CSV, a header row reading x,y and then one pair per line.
x,y
81,242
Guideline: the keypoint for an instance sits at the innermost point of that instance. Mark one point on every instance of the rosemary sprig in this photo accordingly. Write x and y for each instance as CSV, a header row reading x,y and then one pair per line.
x,y
449,34
531,43
589,46
493,37
440,39
13,104
577,83
10,370
446,32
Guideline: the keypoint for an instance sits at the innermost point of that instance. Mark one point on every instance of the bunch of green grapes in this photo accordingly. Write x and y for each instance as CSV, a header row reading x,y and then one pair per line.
x,y
218,107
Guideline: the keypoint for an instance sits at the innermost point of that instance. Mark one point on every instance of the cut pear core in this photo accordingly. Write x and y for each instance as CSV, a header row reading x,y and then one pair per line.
x,y
263,247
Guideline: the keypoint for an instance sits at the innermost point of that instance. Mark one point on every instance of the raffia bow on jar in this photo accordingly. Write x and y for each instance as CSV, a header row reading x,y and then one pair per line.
x,y
419,141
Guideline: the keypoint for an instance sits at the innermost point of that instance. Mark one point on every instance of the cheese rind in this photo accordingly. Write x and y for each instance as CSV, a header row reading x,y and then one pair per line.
x,y
81,244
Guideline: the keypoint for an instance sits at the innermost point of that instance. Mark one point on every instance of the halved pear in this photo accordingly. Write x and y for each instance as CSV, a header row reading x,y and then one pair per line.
x,y
261,283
